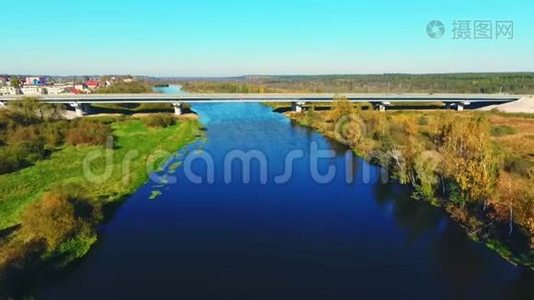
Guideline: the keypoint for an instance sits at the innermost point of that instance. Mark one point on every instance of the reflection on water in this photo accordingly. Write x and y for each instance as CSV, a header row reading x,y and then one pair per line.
x,y
298,239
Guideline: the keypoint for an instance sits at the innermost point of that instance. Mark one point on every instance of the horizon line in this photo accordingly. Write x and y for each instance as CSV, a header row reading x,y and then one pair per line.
x,y
268,75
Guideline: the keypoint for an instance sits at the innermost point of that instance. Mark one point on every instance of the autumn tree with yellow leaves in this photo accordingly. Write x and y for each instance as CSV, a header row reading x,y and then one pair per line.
x,y
468,157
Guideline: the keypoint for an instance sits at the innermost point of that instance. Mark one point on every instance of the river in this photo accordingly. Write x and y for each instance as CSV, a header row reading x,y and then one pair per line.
x,y
300,238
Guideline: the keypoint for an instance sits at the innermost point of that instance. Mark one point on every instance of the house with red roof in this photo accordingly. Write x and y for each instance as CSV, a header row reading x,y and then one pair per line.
x,y
74,90
92,84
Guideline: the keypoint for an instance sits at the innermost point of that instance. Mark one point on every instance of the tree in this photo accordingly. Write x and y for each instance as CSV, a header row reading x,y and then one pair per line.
x,y
426,178
340,107
377,123
126,87
468,157
309,117
513,203
350,129
30,110
15,82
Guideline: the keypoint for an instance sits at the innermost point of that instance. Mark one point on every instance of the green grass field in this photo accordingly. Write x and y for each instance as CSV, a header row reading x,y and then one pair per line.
x,y
134,143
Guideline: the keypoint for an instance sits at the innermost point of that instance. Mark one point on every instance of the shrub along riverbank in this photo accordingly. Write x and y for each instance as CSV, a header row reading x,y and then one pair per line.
x,y
478,166
50,209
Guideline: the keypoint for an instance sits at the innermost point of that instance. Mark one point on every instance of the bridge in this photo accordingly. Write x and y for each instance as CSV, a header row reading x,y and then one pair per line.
x,y
379,100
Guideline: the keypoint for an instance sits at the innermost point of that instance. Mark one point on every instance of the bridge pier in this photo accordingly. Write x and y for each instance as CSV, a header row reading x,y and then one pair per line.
x,y
177,108
459,106
80,109
381,106
297,106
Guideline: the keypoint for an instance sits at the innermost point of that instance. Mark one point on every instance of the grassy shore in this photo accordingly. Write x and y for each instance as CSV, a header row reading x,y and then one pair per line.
x,y
50,212
62,178
19,189
478,166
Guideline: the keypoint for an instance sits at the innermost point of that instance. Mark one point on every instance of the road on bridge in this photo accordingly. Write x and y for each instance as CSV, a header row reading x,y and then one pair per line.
x,y
298,100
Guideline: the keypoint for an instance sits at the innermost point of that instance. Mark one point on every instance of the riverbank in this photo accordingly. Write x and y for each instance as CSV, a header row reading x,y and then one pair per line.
x,y
20,188
197,239
477,166
110,174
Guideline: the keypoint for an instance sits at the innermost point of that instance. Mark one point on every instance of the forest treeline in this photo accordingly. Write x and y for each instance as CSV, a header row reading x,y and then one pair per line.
x,y
477,166
515,83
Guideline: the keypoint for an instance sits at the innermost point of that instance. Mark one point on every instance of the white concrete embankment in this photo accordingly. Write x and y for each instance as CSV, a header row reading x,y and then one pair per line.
x,y
523,105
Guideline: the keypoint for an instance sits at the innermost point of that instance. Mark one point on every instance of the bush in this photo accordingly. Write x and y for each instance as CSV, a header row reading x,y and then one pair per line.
x,y
426,179
350,130
519,166
88,133
377,124
402,128
160,120
54,133
340,107
31,111
23,144
25,137
21,154
309,117
61,225
502,130
25,134
155,107
10,161
5,124
62,214
107,120
29,152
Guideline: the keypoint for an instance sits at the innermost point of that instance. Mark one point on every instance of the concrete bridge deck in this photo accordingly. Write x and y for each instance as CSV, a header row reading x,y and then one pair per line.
x,y
326,97
297,100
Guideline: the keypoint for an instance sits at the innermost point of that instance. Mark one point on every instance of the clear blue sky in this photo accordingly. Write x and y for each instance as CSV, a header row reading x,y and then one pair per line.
x,y
218,38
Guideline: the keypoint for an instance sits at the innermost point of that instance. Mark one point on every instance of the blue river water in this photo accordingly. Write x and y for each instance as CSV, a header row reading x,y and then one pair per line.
x,y
227,239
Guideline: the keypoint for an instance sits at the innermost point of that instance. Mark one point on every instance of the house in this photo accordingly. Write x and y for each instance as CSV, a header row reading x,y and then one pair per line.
x,y
74,90
80,87
92,84
55,90
8,90
32,90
